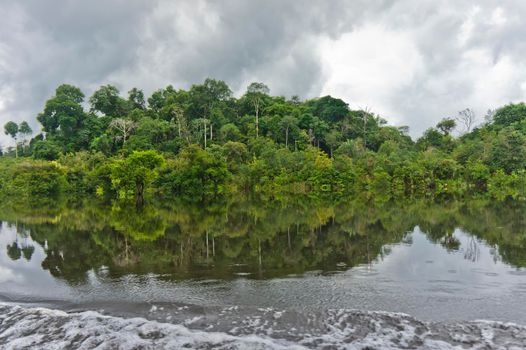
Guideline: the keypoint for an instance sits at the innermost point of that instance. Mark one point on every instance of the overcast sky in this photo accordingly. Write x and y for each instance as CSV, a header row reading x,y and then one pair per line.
x,y
411,61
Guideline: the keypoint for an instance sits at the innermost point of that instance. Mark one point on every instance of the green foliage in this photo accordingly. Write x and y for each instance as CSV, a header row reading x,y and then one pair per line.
x,y
11,129
330,109
446,125
46,149
106,100
216,144
130,176
194,172
510,114
28,179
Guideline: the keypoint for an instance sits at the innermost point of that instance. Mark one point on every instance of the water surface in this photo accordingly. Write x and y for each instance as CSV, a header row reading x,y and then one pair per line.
x,y
288,272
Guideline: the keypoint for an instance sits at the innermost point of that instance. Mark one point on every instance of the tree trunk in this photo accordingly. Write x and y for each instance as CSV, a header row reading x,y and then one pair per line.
x,y
139,193
205,132
287,137
207,251
257,120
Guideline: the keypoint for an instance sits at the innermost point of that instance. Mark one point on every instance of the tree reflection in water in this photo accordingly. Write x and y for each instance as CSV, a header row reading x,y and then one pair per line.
x,y
257,237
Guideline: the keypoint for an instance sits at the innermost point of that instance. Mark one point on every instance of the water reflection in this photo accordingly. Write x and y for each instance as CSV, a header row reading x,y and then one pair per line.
x,y
255,238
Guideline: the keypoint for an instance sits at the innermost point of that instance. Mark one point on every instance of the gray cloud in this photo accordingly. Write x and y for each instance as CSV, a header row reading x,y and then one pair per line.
x,y
461,53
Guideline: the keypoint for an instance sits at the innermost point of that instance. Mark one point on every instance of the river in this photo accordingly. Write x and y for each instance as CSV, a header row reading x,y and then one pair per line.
x,y
240,274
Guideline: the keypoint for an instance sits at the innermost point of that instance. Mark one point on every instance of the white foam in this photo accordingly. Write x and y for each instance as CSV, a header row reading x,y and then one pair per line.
x,y
43,328
50,329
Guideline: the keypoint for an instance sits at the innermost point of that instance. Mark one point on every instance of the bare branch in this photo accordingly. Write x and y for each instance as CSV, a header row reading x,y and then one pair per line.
x,y
466,118
123,126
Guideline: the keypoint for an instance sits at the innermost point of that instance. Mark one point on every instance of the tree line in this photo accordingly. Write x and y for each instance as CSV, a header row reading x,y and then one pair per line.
x,y
205,142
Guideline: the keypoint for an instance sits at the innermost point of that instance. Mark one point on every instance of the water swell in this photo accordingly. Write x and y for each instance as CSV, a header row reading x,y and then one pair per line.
x,y
28,328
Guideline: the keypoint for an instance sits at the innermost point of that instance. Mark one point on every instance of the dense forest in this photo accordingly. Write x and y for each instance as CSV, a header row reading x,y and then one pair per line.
x,y
204,142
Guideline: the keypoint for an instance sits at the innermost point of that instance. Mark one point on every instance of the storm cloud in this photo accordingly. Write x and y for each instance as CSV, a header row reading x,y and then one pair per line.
x,y
413,62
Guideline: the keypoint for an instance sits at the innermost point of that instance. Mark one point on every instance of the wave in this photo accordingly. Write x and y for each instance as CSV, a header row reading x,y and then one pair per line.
x,y
29,328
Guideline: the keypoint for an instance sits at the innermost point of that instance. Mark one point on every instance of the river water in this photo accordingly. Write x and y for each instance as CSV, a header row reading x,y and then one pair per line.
x,y
266,275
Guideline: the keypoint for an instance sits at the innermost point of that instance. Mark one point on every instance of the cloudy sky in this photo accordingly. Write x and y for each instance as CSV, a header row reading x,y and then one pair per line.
x,y
411,61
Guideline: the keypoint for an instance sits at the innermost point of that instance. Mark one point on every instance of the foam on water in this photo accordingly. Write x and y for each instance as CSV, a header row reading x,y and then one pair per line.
x,y
28,328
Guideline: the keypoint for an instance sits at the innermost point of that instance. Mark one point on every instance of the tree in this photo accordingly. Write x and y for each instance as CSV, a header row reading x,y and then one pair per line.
x,y
182,126
256,92
107,101
11,129
286,124
206,97
14,130
446,125
332,139
508,151
123,126
136,99
330,109
195,172
46,149
136,171
466,118
24,130
230,132
510,114
63,116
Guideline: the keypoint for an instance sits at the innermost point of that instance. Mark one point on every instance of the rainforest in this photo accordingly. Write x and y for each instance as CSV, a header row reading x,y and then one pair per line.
x,y
204,143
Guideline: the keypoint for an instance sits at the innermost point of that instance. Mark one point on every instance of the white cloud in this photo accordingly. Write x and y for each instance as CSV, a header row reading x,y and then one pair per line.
x,y
412,61
367,65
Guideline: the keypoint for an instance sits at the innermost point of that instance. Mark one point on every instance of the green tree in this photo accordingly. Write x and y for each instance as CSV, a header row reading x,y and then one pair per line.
x,y
136,172
287,123
508,151
46,149
136,99
11,129
206,101
24,130
195,172
256,93
107,101
63,116
509,114
333,139
330,109
446,125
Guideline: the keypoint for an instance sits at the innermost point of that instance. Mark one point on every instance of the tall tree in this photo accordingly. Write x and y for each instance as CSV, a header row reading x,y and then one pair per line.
x,y
63,116
333,139
287,123
179,118
107,101
11,129
206,97
256,93
124,127
24,130
466,118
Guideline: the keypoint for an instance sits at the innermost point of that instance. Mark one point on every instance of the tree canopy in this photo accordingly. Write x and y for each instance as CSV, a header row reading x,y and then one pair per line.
x,y
204,141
